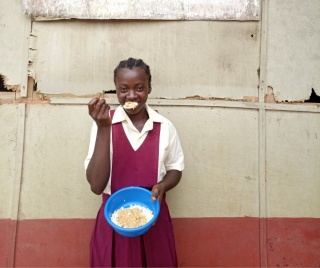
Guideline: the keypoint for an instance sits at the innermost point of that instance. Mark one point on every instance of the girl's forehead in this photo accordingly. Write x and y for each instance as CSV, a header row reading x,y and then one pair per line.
x,y
135,73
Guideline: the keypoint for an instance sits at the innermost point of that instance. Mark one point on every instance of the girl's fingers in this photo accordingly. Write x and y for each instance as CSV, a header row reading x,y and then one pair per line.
x,y
93,101
102,111
99,111
92,105
155,193
106,112
97,107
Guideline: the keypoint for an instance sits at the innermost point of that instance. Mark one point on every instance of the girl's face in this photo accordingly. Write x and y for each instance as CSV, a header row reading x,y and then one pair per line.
x,y
132,85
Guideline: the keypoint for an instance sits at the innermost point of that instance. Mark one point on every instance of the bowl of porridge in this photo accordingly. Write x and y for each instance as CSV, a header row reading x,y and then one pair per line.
x,y
131,211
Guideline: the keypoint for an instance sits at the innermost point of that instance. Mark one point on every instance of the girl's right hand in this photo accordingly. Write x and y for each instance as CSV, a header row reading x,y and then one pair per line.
x,y
99,111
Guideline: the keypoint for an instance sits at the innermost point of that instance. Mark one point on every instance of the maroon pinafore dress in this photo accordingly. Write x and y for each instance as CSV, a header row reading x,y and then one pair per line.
x,y
156,248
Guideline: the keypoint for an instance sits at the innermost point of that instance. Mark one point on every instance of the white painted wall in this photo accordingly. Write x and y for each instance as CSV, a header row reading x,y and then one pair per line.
x,y
14,39
205,58
293,45
292,160
8,143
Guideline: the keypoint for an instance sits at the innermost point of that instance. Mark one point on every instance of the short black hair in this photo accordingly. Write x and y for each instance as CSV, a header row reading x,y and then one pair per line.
x,y
131,63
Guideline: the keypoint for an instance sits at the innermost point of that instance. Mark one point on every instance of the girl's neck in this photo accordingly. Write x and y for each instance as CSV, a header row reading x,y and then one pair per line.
x,y
141,117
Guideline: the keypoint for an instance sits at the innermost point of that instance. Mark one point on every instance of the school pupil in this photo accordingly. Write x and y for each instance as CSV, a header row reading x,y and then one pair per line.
x,y
132,146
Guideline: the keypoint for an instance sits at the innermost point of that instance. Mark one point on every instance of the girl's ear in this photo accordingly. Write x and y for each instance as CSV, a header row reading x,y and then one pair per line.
x,y
150,89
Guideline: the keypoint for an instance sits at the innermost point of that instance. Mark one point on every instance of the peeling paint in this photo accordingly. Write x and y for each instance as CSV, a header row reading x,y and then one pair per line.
x,y
8,86
314,98
269,97
197,97
32,55
250,98
143,9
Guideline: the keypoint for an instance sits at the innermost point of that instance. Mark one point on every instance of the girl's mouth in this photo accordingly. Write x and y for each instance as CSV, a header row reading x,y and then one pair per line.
x,y
130,105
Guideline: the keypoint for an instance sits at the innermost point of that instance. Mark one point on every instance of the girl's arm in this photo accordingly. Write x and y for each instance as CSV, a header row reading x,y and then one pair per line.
x,y
169,181
98,170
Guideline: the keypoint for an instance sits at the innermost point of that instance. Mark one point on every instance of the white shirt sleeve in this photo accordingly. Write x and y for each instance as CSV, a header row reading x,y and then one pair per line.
x,y
92,143
175,157
171,154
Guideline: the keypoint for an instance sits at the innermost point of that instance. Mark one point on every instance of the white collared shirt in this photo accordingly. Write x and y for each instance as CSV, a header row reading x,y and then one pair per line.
x,y
170,151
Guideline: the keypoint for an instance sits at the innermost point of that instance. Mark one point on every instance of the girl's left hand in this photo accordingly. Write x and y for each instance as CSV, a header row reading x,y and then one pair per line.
x,y
157,192
169,181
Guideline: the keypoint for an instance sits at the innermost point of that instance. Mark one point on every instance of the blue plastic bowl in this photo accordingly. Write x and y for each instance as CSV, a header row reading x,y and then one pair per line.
x,y
125,198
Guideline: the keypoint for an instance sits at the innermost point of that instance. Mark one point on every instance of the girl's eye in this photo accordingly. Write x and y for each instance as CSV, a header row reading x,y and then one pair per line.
x,y
140,88
123,89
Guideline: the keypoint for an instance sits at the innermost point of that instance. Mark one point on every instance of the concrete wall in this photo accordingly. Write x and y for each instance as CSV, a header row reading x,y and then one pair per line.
x,y
249,193
186,57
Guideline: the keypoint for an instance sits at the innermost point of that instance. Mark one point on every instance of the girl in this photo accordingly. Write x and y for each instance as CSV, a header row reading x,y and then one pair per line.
x,y
132,146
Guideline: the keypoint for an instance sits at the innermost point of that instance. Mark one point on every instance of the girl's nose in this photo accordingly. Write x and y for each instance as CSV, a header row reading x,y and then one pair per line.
x,y
131,95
